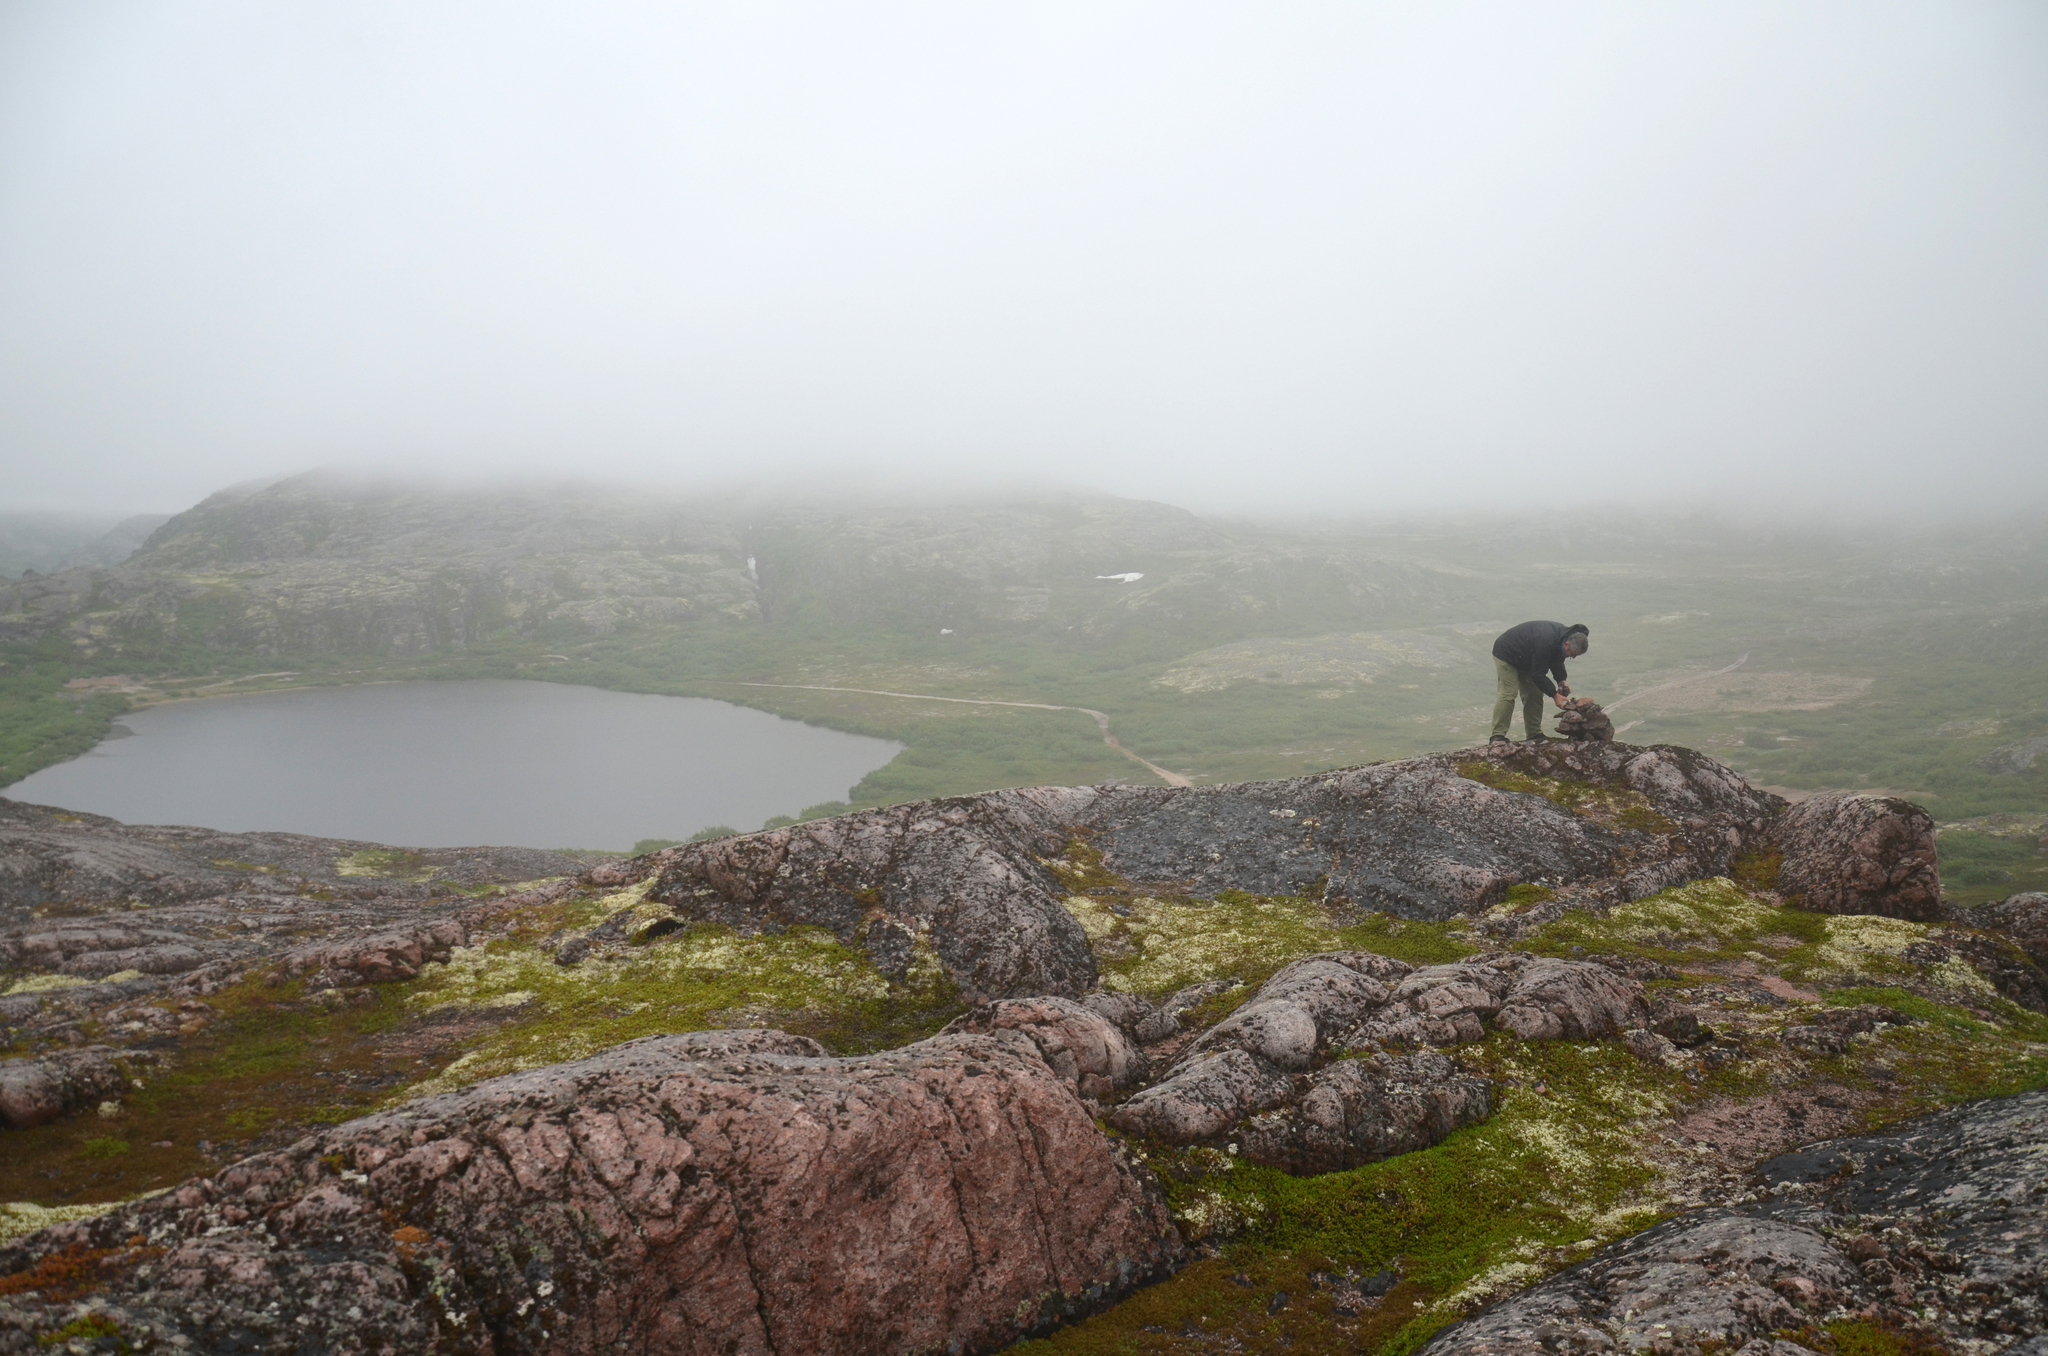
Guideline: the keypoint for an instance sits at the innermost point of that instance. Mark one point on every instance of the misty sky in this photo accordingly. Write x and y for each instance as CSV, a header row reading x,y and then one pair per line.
x,y
1341,257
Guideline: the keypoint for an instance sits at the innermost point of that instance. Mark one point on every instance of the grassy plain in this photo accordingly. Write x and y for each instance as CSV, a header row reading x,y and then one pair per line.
x,y
1891,663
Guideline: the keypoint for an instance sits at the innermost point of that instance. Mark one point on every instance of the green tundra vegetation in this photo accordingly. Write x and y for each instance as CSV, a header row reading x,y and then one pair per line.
x,y
1574,1157
1907,662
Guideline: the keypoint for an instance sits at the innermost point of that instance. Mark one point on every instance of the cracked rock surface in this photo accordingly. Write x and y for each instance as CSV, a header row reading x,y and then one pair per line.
x,y
1351,1111
1938,1226
725,1192
1849,853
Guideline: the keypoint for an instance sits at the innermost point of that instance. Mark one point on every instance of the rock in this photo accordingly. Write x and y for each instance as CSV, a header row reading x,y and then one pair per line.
x,y
966,872
2023,918
1078,1044
1650,1047
1251,1061
1937,1228
1203,1099
1138,1019
1710,1277
726,1192
1681,1026
1582,718
573,952
376,959
1299,1011
1358,1111
1537,998
1848,853
2012,760
33,1091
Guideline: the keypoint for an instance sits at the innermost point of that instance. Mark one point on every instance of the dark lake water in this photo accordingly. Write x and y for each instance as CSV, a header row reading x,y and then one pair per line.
x,y
453,764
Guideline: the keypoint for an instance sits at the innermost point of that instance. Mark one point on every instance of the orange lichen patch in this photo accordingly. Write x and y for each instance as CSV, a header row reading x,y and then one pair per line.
x,y
76,1271
410,1239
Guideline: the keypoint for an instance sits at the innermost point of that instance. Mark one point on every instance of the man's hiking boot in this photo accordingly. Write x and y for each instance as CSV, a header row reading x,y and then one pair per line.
x,y
1541,739
1501,740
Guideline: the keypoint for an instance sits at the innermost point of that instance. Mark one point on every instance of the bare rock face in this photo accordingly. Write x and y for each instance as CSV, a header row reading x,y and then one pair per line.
x,y
1419,839
1352,1111
2023,918
966,873
1930,1225
36,1090
1717,1277
1359,1111
1535,997
1848,853
377,959
1075,1042
728,1192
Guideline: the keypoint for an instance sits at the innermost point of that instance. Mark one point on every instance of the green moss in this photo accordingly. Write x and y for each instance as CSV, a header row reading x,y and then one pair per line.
x,y
1757,870
104,1147
387,864
1616,806
1552,1176
702,976
86,1328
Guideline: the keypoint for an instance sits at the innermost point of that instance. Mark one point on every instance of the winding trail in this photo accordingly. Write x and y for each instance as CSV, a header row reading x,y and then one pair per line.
x,y
1101,720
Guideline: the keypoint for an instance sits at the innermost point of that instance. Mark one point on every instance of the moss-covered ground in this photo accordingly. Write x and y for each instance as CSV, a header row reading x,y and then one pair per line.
x,y
1570,1160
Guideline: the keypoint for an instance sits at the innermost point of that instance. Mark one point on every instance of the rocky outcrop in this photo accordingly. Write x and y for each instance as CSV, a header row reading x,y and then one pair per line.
x,y
1716,1277
1932,1228
1427,838
1353,1111
377,959
729,1192
1077,1043
965,874
1848,853
1358,1111
2023,918
33,1091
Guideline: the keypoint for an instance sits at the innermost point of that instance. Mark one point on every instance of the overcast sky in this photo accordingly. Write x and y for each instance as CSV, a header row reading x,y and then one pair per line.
x,y
1350,257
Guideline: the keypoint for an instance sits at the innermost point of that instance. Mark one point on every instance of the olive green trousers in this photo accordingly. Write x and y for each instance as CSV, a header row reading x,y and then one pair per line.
x,y
1512,683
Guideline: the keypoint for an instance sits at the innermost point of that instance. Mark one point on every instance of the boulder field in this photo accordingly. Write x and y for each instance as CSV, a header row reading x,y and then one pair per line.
x,y
1485,1012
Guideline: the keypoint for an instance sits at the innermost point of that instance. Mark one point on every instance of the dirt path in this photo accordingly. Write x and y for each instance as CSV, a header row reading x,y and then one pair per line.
x,y
1101,720
1664,687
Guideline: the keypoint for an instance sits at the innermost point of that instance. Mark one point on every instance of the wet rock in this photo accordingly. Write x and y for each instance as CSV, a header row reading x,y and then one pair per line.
x,y
1358,1111
33,1091
1847,853
1709,1277
728,1192
1080,1045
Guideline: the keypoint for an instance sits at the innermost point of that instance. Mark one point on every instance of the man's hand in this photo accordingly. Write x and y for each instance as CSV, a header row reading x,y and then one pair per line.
x,y
1564,689
1559,699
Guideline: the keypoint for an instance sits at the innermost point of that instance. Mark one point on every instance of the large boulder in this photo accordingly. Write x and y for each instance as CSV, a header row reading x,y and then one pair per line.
x,y
727,1192
1850,853
2022,918
966,873
33,1091
1258,1059
1075,1041
1358,1111
1713,1278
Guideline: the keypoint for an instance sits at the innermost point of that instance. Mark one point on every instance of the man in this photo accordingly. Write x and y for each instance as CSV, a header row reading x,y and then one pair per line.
x,y
1520,656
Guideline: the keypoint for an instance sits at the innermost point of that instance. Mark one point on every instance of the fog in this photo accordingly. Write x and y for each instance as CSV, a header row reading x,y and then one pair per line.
x,y
1246,258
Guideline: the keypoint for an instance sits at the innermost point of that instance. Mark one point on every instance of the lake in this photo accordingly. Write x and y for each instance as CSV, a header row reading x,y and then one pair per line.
x,y
454,764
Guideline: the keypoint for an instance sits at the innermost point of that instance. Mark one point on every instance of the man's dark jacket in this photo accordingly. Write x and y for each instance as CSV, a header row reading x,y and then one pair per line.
x,y
1533,647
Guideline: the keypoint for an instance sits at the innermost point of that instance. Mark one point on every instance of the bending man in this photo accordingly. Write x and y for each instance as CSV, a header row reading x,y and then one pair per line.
x,y
1520,657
